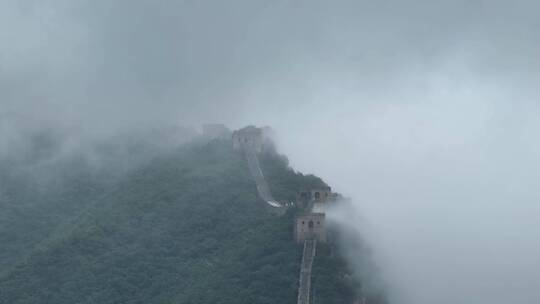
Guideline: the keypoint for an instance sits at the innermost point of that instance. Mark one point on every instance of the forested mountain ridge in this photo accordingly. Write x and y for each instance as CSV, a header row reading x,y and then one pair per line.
x,y
183,226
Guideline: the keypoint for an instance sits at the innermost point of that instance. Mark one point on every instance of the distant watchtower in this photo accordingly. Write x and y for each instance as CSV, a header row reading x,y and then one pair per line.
x,y
317,194
310,226
316,197
250,136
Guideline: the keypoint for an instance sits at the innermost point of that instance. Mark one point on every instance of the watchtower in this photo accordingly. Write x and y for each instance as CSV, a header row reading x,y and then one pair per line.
x,y
249,136
310,226
313,196
319,194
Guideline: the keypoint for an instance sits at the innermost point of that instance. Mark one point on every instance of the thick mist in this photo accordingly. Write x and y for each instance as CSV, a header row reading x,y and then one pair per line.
x,y
425,113
448,203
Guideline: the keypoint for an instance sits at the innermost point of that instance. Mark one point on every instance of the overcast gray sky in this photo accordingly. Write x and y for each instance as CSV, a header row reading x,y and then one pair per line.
x,y
425,112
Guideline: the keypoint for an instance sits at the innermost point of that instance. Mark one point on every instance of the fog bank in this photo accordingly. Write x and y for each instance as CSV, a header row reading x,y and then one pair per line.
x,y
449,207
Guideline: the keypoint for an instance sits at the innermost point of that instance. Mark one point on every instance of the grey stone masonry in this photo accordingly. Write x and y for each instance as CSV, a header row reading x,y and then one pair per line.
x,y
310,226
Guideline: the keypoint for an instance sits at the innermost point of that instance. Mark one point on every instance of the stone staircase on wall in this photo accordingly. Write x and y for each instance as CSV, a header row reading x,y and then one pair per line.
x,y
254,167
304,285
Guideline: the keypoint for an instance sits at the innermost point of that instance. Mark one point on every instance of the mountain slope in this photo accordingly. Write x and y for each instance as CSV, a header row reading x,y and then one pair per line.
x,y
186,227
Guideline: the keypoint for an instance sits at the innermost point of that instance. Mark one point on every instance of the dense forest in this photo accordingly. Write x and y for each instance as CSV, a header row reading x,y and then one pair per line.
x,y
178,225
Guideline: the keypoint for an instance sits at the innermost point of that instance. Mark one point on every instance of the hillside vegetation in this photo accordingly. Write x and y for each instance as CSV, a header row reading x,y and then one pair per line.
x,y
182,226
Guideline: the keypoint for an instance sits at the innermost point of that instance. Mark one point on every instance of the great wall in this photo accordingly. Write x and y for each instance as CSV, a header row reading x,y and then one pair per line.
x,y
250,141
309,226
